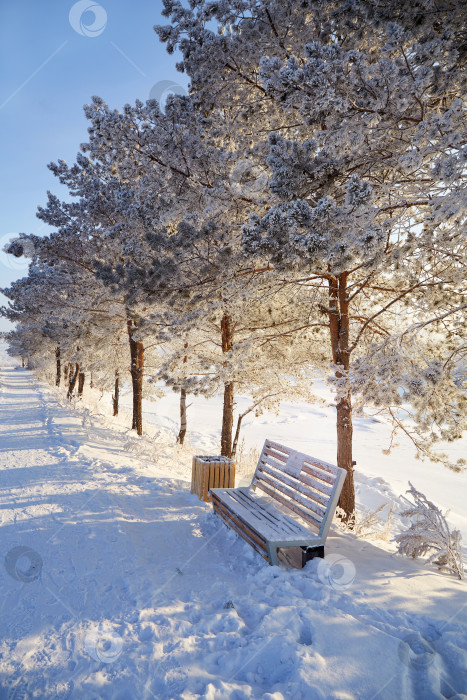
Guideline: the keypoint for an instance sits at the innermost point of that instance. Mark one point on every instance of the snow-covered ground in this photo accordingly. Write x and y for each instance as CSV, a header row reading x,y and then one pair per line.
x,y
118,583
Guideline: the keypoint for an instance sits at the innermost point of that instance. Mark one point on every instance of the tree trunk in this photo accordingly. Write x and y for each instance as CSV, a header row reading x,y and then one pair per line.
x,y
73,378
237,435
115,394
59,366
81,378
182,433
22,362
66,371
339,330
227,414
137,373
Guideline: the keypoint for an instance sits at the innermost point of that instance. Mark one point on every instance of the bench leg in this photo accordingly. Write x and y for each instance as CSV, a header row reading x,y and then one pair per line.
x,y
272,552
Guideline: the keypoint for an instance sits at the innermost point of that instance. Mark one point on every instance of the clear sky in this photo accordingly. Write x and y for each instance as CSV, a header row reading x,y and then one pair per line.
x,y
54,55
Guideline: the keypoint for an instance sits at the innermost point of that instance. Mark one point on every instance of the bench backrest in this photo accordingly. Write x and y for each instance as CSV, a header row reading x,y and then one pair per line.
x,y
307,486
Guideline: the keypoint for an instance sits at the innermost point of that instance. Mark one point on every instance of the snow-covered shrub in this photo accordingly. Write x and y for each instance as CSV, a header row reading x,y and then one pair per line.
x,y
429,532
246,461
366,523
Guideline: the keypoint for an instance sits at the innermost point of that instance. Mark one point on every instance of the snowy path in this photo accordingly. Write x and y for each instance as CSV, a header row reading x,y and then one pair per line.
x,y
127,587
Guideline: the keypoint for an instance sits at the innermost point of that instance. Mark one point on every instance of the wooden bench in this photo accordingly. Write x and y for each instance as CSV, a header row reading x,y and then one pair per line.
x,y
289,521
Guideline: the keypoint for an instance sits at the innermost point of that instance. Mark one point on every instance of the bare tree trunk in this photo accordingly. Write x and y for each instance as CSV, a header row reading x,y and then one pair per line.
x,y
182,433
22,362
237,435
115,394
81,378
59,367
72,384
227,414
137,373
66,371
339,330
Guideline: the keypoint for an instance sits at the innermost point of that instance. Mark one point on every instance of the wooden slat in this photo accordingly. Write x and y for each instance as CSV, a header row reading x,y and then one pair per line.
x,y
224,510
228,521
251,518
324,490
222,469
309,473
269,526
260,541
308,460
198,478
193,472
296,497
280,448
205,481
299,487
266,520
282,525
253,505
291,505
284,452
324,466
287,526
275,455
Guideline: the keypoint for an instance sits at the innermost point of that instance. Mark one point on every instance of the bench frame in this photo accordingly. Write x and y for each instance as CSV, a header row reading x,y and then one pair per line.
x,y
301,485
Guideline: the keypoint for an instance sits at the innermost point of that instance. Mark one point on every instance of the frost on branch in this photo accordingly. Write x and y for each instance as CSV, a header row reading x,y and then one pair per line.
x,y
429,532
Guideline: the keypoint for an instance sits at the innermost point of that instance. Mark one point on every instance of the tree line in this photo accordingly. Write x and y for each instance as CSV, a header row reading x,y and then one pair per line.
x,y
301,214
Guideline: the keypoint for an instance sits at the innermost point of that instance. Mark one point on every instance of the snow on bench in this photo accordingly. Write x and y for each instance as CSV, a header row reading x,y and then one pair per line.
x,y
289,522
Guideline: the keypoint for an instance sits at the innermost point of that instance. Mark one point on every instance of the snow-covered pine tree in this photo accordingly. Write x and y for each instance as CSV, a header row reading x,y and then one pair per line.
x,y
193,257
105,223
365,119
64,303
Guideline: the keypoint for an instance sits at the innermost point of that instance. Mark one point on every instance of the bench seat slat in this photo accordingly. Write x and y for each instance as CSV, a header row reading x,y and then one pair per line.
x,y
251,499
290,504
247,532
262,526
280,524
271,515
285,528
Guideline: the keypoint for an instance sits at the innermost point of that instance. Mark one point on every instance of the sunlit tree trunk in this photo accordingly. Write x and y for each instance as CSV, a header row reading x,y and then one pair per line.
x,y
137,374
59,367
339,331
116,394
227,413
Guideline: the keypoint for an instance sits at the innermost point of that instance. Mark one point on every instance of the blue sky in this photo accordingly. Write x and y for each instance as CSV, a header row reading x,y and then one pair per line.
x,y
52,62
